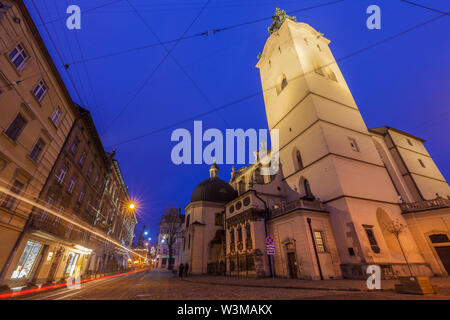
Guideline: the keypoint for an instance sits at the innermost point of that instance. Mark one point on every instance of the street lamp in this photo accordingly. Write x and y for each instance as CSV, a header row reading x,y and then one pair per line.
x,y
131,206
146,233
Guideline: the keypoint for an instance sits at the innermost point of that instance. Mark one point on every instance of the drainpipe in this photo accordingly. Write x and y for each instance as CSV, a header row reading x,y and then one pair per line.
x,y
315,249
272,271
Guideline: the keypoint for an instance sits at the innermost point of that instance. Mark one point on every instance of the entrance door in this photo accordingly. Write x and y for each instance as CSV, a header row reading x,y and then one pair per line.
x,y
444,255
292,261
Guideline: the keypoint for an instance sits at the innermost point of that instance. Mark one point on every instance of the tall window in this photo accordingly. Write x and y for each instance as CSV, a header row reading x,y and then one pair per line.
x,y
188,218
72,184
74,146
317,69
40,90
56,116
331,74
248,236
219,219
239,234
89,172
95,180
10,200
61,174
421,163
307,187
81,160
372,240
282,84
409,142
353,144
232,239
37,150
18,57
320,244
16,127
81,196
298,160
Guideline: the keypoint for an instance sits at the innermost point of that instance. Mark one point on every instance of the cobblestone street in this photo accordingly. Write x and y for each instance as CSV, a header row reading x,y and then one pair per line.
x,y
156,285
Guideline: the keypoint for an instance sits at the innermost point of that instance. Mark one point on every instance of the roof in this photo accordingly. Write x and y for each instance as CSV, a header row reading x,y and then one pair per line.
x,y
214,190
384,130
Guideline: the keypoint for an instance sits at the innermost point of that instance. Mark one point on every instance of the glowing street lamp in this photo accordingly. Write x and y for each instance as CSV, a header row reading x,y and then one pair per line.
x,y
146,233
131,206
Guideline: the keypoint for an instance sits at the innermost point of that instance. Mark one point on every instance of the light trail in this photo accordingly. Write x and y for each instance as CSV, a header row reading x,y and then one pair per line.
x,y
63,284
56,214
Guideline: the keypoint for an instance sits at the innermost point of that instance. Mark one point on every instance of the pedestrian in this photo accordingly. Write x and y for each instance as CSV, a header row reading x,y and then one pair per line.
x,y
180,270
186,269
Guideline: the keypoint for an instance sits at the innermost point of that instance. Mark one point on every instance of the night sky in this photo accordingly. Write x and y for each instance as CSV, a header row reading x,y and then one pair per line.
x,y
402,83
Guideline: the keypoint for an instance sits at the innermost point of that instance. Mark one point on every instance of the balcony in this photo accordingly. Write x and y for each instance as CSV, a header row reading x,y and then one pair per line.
x,y
437,203
298,205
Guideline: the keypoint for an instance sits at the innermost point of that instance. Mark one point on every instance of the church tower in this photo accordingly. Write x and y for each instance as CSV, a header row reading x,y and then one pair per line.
x,y
325,148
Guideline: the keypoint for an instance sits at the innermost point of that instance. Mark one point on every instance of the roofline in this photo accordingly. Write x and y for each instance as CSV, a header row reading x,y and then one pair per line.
x,y
386,128
36,35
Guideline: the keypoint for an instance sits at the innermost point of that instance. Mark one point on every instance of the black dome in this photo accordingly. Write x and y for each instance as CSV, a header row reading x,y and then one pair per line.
x,y
214,190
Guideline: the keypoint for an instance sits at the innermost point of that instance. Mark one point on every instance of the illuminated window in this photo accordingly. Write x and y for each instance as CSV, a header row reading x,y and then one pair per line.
x,y
18,57
81,196
320,245
89,172
27,260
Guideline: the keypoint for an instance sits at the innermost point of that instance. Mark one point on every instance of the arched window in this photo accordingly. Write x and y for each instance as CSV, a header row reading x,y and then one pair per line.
x,y
282,83
298,160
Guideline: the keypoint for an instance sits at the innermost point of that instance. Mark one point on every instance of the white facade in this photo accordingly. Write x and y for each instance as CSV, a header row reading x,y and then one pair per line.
x,y
340,187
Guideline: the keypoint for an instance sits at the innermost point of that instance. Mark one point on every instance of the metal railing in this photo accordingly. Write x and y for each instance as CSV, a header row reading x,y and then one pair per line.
x,y
425,205
297,204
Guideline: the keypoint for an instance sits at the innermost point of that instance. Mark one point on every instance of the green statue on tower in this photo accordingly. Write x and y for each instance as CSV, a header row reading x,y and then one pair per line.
x,y
279,17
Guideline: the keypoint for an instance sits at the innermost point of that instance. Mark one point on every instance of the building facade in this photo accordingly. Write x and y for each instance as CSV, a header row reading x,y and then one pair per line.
x,y
37,115
64,206
342,193
170,232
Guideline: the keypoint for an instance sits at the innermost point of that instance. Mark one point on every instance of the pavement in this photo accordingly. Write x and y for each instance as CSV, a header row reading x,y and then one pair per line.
x,y
163,285
336,284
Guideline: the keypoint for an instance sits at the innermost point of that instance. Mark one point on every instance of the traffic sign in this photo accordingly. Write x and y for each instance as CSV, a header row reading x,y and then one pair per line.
x,y
269,240
270,249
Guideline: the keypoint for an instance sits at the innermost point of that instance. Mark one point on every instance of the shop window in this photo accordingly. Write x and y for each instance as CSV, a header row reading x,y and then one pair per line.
x,y
71,263
27,260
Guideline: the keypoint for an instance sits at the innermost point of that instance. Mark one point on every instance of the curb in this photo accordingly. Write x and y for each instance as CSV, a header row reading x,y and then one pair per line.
x,y
287,287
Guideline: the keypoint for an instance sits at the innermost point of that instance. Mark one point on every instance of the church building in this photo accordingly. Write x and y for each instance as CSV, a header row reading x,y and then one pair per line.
x,y
345,196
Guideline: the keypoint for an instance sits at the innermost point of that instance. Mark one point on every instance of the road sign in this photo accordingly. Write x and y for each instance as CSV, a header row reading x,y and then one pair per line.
x,y
270,249
269,240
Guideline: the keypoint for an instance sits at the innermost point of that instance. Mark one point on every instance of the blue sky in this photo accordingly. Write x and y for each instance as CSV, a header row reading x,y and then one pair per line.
x,y
402,83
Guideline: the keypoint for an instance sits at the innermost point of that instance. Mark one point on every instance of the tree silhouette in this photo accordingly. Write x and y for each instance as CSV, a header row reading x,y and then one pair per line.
x,y
171,228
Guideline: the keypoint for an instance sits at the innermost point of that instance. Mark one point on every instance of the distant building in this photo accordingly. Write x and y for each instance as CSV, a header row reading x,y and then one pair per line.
x,y
340,190
170,230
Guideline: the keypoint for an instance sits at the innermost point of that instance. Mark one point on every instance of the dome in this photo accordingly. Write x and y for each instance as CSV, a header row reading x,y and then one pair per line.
x,y
215,190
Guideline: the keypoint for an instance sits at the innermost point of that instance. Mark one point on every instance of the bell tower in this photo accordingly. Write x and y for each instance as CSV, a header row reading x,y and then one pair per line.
x,y
324,144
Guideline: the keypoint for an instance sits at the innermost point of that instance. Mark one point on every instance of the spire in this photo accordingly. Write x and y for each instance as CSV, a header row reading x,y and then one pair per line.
x,y
279,17
214,170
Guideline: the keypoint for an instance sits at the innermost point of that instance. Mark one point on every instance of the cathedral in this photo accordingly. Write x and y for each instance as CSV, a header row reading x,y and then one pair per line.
x,y
345,196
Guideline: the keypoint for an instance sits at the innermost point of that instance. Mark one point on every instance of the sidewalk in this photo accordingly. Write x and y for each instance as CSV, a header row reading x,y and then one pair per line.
x,y
331,285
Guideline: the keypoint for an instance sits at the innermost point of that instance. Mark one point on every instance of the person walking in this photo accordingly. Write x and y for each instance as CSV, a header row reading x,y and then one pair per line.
x,y
186,269
180,270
